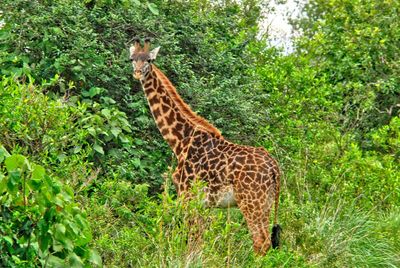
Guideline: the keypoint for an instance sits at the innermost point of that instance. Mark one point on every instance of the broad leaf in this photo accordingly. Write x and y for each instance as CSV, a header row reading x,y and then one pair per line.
x,y
153,8
15,161
98,148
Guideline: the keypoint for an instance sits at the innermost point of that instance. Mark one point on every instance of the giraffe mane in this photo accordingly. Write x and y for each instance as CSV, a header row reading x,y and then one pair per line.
x,y
184,108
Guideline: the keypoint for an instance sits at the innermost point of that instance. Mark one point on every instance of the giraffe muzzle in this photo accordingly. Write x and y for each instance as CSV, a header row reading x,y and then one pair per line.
x,y
137,75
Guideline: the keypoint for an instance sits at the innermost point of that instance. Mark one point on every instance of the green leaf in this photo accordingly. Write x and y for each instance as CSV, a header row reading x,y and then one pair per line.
x,y
58,200
92,131
3,182
53,261
59,235
123,139
75,260
106,113
3,154
116,131
57,30
13,179
60,228
16,259
44,241
98,148
77,149
35,184
15,161
61,157
37,177
57,246
108,100
73,227
93,91
8,239
77,68
136,162
38,172
95,258
68,244
153,8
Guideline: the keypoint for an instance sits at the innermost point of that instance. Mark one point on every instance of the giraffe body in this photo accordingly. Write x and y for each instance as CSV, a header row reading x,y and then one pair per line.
x,y
235,174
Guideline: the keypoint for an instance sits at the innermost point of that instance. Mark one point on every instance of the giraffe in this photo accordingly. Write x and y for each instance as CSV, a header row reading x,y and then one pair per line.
x,y
235,175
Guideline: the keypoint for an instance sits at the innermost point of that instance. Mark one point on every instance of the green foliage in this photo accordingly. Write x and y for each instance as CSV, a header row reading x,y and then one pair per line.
x,y
40,222
387,138
29,119
60,128
329,113
106,124
355,46
316,153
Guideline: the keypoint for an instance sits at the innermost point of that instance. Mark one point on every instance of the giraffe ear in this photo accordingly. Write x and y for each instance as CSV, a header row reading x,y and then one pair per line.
x,y
132,50
153,53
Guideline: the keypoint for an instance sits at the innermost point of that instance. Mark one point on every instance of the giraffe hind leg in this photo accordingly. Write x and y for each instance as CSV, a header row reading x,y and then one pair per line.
x,y
257,218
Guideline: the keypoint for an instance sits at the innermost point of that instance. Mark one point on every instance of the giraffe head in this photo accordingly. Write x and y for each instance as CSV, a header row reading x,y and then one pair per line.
x,y
141,58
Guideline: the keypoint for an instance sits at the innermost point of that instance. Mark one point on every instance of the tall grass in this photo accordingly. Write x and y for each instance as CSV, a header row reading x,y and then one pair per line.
x,y
171,232
345,235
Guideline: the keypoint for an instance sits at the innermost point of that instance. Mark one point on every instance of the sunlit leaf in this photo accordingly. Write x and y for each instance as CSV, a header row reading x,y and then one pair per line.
x,y
8,240
38,172
115,131
15,161
95,258
98,148
153,8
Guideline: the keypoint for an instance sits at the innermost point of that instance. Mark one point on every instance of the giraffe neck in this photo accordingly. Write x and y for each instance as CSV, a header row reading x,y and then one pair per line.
x,y
173,126
184,109
175,120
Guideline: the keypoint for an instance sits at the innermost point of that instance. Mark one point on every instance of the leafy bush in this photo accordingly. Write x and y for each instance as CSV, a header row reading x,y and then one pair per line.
x,y
354,45
55,130
40,224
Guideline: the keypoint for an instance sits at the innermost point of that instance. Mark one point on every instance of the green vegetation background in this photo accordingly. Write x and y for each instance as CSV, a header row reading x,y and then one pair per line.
x,y
84,173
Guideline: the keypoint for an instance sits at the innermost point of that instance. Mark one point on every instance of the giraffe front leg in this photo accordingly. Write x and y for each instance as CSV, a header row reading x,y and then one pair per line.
x,y
194,222
182,181
179,182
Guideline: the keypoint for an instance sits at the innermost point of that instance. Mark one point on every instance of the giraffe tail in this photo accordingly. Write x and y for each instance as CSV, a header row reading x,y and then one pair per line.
x,y
275,236
276,229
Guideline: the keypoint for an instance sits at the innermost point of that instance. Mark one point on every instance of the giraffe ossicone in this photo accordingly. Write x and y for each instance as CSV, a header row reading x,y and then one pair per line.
x,y
235,174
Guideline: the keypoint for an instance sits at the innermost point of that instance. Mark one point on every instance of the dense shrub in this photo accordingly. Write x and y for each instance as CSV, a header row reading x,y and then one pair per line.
x,y
60,131
40,224
355,46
